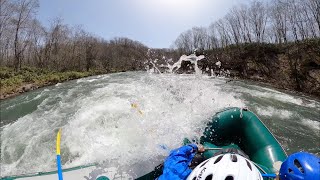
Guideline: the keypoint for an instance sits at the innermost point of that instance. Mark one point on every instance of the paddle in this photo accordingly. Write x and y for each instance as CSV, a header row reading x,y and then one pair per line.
x,y
269,175
58,155
208,149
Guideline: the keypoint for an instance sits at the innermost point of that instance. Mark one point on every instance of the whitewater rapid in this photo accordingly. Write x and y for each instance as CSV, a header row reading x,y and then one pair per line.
x,y
136,116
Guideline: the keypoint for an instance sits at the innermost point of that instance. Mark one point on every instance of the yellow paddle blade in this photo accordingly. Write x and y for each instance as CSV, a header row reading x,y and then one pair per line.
x,y
58,142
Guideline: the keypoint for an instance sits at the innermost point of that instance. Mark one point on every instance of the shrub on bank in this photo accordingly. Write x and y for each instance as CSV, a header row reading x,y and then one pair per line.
x,y
12,81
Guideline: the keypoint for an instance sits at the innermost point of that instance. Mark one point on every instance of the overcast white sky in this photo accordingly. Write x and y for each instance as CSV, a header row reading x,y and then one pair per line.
x,y
156,23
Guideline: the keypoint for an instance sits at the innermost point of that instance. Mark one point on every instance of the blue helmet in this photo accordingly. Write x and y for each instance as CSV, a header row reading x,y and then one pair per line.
x,y
300,166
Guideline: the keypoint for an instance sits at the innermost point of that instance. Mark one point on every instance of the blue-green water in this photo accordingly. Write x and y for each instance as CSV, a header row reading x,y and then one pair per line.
x,y
99,123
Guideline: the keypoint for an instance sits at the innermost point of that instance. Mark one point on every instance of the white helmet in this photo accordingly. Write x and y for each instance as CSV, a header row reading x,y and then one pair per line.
x,y
226,167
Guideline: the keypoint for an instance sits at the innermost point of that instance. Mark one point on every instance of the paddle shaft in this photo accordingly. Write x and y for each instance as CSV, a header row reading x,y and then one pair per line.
x,y
208,149
58,155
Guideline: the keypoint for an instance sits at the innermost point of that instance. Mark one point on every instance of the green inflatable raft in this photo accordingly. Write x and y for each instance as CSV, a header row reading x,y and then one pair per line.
x,y
240,129
232,128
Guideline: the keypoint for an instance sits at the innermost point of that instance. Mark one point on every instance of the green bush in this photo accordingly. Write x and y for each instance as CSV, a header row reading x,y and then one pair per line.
x,y
6,72
54,78
11,80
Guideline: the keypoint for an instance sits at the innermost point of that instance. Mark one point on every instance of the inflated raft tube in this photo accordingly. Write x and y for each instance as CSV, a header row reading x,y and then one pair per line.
x,y
242,129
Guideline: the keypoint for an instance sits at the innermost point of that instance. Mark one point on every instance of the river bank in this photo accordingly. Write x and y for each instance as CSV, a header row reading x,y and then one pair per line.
x,y
292,66
28,79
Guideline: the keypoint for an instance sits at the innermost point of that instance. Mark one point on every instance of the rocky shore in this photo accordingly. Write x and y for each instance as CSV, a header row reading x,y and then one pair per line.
x,y
20,90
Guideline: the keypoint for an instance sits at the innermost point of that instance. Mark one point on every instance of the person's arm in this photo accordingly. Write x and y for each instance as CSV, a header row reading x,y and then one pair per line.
x,y
185,151
176,166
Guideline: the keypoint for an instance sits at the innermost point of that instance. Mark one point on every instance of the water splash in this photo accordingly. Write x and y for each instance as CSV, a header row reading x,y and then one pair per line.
x,y
166,66
192,58
99,123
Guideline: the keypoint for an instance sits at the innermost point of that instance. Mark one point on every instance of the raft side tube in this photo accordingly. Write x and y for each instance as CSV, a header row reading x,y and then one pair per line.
x,y
244,128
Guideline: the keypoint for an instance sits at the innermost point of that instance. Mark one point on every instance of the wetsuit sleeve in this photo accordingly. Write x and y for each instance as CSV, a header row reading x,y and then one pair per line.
x,y
176,166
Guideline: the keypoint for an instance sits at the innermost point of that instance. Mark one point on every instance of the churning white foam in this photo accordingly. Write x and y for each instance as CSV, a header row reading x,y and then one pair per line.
x,y
270,111
268,93
315,125
100,123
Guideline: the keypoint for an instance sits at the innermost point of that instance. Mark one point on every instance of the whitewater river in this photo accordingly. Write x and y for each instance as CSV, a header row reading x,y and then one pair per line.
x,y
99,123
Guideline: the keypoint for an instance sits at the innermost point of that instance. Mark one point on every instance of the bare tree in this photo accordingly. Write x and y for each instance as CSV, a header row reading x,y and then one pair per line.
x,y
314,6
200,37
184,42
279,12
37,40
234,27
311,10
243,18
23,13
224,36
56,42
6,8
212,37
258,19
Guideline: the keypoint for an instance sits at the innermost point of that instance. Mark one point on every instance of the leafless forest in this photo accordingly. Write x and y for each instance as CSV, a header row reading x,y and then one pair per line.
x,y
274,21
24,41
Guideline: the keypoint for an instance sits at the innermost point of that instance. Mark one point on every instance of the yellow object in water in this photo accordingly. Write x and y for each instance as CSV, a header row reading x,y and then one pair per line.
x,y
134,105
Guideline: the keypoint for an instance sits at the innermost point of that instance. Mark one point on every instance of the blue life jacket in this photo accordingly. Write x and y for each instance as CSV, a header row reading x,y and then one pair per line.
x,y
176,166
